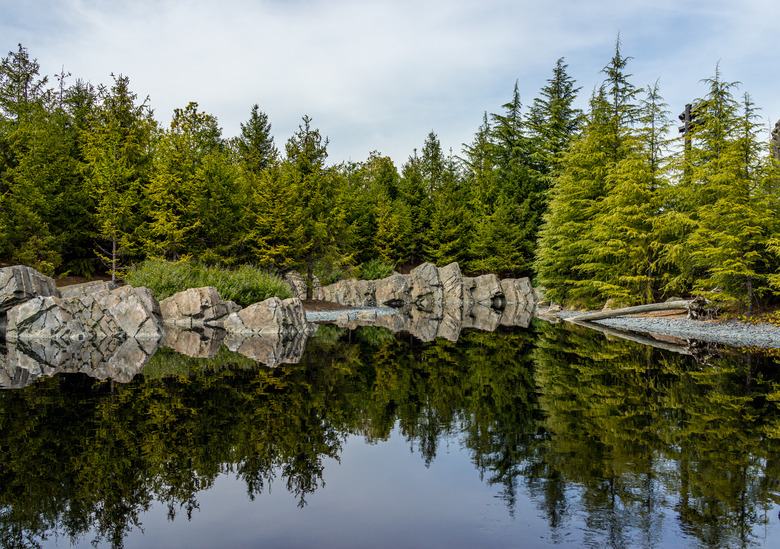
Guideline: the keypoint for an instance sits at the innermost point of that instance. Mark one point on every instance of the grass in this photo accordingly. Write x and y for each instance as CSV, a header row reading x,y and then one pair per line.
x,y
245,285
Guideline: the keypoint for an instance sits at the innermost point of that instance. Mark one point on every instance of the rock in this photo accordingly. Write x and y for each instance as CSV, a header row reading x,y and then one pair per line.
x,y
610,304
123,312
452,285
517,291
272,316
427,291
87,288
270,350
200,342
194,307
298,286
20,283
393,291
356,293
118,359
487,290
366,315
135,310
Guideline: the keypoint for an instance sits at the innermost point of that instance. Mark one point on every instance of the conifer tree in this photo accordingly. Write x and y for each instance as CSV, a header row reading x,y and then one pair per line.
x,y
417,201
116,150
450,220
256,143
553,120
730,243
570,253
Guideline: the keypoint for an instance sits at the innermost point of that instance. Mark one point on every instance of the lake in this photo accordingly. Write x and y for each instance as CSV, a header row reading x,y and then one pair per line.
x,y
553,435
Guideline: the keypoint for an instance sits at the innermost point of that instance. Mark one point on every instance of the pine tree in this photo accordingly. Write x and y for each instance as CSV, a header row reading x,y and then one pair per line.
x,y
730,243
116,150
417,201
553,120
256,144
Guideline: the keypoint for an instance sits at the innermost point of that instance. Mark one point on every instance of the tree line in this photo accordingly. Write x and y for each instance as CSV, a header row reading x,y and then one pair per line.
x,y
598,204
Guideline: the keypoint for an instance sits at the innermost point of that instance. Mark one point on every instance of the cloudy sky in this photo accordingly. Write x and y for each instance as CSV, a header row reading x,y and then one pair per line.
x,y
381,74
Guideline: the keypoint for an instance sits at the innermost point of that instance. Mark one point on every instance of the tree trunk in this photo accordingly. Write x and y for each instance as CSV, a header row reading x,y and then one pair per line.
x,y
672,305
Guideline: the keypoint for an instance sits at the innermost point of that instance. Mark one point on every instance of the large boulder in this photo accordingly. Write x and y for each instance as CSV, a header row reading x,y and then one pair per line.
x,y
518,291
123,312
393,291
427,290
21,283
356,293
272,316
486,290
87,288
452,284
196,307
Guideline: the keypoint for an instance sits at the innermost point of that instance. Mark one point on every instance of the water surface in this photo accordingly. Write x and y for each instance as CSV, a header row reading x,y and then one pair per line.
x,y
552,435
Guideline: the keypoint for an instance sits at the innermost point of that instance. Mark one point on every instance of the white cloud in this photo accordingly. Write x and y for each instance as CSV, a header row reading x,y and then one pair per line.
x,y
381,74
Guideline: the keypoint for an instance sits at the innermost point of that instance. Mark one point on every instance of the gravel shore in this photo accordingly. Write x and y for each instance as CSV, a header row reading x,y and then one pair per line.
x,y
734,333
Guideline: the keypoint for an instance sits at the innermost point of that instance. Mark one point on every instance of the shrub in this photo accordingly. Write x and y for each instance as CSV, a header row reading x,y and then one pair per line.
x,y
375,269
245,285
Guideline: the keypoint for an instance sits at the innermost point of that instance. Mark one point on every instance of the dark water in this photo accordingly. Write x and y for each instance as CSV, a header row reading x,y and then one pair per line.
x,y
552,435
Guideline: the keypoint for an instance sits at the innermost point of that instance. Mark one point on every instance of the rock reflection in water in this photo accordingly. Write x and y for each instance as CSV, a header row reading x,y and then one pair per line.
x,y
119,359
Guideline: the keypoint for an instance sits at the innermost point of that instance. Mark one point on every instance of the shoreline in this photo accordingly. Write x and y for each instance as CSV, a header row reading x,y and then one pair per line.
x,y
732,332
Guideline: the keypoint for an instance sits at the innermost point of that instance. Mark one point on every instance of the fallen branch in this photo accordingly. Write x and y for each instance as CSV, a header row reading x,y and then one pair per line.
x,y
632,310
676,348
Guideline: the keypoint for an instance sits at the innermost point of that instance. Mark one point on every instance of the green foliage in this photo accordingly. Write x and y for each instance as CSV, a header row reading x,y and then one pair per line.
x,y
245,285
375,269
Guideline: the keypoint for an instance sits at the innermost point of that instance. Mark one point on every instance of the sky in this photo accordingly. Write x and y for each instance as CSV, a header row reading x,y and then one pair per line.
x,y
380,75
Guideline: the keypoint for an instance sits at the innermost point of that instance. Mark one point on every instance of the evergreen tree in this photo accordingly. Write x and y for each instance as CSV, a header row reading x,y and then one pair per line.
x,y
417,201
553,120
116,149
256,144
450,220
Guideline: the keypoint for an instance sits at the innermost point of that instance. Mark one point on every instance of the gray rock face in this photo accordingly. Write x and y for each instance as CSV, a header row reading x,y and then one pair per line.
x,y
486,289
518,291
393,291
272,316
123,312
87,288
195,307
20,283
427,289
105,358
298,286
438,302
269,349
357,293
200,342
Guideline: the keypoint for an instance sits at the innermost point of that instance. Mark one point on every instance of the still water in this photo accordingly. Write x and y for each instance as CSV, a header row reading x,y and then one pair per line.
x,y
538,437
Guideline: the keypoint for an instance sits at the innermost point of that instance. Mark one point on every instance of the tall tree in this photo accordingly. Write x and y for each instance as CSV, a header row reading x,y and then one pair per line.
x,y
256,143
117,151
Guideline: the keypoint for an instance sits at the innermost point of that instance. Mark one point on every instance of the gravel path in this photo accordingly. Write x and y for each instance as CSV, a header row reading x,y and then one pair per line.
x,y
735,333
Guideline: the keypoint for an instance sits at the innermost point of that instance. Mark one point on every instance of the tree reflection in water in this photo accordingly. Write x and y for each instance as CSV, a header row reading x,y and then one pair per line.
x,y
607,430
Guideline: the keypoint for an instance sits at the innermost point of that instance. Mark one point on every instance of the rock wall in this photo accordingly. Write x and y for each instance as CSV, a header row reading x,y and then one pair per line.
x,y
438,302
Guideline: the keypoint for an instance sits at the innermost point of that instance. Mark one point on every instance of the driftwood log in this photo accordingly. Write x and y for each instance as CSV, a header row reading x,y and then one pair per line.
x,y
600,315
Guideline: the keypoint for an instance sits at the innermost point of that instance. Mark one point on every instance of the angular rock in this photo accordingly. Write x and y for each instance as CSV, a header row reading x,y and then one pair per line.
x,y
87,288
517,291
21,283
357,293
123,312
516,314
452,284
272,316
200,342
393,291
483,318
194,307
486,290
427,290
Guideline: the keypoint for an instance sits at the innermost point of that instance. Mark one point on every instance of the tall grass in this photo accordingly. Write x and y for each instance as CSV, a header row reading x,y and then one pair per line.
x,y
245,285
